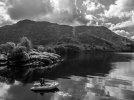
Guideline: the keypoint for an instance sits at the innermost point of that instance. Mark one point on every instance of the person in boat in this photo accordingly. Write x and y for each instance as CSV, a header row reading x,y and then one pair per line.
x,y
42,81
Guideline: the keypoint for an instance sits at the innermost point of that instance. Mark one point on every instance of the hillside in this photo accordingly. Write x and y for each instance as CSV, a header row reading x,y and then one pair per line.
x,y
46,33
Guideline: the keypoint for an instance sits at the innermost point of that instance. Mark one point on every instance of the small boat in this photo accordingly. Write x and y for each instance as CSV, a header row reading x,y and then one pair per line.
x,y
48,86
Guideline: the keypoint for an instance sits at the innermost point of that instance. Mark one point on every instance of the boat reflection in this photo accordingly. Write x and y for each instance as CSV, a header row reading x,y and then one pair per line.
x,y
42,92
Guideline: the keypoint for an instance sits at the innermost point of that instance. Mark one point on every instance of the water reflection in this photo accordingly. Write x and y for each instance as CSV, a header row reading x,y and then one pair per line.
x,y
92,76
4,91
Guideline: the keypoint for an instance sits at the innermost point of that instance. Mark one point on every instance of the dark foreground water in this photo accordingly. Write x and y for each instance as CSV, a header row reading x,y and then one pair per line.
x,y
91,76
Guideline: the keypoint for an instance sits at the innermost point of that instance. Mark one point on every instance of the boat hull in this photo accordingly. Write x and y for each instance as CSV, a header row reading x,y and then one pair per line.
x,y
47,87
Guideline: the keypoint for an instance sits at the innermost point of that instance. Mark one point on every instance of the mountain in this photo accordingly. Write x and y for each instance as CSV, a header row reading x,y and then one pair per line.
x,y
46,33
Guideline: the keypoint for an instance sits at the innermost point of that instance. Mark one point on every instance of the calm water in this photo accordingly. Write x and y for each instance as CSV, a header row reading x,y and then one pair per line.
x,y
91,76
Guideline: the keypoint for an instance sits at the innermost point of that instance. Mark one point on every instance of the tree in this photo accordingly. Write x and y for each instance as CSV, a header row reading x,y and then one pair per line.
x,y
7,47
10,46
19,54
24,41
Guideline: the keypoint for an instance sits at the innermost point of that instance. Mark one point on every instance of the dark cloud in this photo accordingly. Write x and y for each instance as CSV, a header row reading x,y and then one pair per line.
x,y
107,3
20,9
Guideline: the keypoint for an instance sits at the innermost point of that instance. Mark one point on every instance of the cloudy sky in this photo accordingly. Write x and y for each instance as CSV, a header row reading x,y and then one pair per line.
x,y
117,15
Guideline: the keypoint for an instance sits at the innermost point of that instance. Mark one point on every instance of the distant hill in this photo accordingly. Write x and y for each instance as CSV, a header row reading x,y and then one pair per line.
x,y
46,33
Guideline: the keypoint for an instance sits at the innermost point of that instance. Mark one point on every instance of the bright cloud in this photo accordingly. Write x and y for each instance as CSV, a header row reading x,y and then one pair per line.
x,y
123,25
123,13
122,33
121,8
132,37
92,5
4,17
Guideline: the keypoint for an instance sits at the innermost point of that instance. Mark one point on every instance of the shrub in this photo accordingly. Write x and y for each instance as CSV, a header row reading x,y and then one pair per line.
x,y
50,49
41,48
60,49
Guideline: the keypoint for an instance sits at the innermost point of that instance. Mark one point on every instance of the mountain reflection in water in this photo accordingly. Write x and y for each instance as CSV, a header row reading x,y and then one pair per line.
x,y
91,76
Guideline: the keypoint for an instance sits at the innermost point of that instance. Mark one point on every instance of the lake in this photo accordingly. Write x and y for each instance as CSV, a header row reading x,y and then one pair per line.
x,y
87,76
